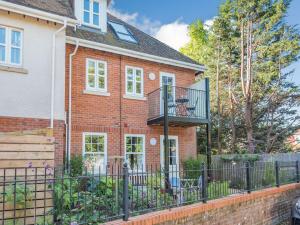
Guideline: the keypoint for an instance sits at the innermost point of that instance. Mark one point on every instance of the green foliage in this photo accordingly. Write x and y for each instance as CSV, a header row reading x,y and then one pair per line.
x,y
269,176
15,195
76,165
217,189
192,167
272,97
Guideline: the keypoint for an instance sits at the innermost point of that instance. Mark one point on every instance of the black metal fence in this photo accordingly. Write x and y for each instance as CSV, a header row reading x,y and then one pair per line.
x,y
48,196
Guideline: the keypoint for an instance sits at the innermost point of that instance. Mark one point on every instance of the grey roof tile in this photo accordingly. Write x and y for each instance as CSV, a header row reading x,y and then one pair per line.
x,y
58,7
146,43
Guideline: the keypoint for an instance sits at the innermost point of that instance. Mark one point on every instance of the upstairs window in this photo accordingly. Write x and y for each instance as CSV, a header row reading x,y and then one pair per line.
x,y
134,81
91,9
10,46
96,75
122,32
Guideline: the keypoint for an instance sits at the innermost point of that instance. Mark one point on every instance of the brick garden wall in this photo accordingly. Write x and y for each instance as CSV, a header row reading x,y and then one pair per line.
x,y
270,206
94,113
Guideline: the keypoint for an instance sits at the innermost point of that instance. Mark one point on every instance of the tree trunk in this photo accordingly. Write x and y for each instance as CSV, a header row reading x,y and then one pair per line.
x,y
218,102
249,127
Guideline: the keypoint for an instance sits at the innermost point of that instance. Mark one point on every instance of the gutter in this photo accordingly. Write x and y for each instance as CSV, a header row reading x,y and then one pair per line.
x,y
135,54
69,136
53,72
23,10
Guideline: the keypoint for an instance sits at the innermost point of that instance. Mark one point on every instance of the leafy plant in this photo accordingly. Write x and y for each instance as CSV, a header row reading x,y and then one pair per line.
x,y
76,165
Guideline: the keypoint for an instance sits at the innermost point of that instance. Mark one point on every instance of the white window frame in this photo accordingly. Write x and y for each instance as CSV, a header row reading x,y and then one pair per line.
x,y
96,88
84,134
134,94
143,153
8,46
91,14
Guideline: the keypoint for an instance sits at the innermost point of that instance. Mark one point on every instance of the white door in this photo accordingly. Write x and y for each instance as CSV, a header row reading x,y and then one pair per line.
x,y
167,79
173,158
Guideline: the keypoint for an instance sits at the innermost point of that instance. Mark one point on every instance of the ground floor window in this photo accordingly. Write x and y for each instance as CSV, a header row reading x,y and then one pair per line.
x,y
95,151
135,152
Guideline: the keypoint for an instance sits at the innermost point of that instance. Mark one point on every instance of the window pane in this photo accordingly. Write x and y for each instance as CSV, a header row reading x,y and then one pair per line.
x,y
101,65
97,162
126,37
100,139
91,67
16,38
138,88
86,17
2,53
2,35
101,82
88,148
96,7
130,86
91,81
15,55
96,19
119,28
128,140
138,77
88,139
87,5
101,72
94,147
135,161
129,71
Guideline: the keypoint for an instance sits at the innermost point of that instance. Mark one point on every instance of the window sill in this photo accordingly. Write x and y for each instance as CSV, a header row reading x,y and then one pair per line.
x,y
13,69
99,93
135,97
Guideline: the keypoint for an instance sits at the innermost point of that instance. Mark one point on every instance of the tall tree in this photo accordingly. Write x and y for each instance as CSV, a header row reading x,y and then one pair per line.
x,y
247,52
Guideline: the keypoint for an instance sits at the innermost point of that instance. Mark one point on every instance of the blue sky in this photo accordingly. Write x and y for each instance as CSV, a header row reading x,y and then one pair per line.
x,y
167,20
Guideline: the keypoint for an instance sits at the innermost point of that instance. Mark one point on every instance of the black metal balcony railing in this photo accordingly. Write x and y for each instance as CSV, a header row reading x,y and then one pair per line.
x,y
183,104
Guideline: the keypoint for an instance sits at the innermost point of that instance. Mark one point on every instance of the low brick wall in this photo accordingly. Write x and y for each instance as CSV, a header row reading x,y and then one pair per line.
x,y
269,206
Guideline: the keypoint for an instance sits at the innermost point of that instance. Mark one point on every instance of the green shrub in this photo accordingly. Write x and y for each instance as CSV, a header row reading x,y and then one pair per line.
x,y
76,165
217,189
192,167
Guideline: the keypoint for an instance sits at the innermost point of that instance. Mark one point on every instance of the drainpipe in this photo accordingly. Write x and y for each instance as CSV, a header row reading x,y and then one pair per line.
x,y
68,150
53,71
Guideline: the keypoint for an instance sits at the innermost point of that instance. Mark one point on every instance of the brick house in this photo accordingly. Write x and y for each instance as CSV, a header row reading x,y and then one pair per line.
x,y
124,91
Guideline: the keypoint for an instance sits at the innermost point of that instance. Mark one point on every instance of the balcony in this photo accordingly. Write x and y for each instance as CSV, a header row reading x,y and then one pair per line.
x,y
185,107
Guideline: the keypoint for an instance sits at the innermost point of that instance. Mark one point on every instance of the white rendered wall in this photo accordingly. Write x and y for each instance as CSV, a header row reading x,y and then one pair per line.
x,y
29,95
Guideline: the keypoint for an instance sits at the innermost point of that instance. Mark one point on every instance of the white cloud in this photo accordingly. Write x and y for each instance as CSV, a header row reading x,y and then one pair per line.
x,y
174,34
143,23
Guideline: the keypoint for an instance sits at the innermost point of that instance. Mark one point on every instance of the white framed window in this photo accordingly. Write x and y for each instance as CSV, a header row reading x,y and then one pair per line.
x,y
11,41
91,13
95,151
134,81
135,151
96,75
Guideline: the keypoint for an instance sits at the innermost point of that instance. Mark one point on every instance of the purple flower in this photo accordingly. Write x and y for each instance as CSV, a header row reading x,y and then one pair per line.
x,y
74,223
30,165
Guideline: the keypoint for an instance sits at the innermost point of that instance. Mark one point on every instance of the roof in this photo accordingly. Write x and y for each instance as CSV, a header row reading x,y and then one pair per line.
x,y
146,44
58,7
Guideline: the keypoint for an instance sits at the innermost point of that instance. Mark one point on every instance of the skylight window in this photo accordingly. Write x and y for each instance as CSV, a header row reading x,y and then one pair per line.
x,y
122,32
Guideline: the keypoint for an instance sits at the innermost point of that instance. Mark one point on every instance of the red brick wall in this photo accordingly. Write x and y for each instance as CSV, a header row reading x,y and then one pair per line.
x,y
92,113
15,124
269,206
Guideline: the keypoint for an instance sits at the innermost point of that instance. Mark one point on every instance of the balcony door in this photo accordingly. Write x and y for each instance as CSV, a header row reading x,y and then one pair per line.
x,y
173,158
167,79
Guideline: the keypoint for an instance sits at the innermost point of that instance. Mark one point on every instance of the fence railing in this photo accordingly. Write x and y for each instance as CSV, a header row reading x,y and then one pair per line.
x,y
182,102
48,196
